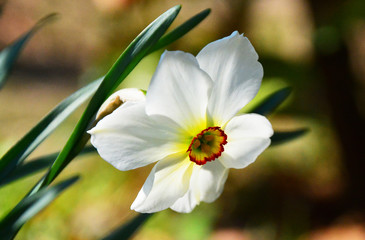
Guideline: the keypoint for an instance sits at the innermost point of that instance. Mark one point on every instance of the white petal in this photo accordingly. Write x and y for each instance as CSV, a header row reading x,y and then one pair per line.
x,y
206,184
167,182
232,64
212,177
191,198
129,139
179,90
247,137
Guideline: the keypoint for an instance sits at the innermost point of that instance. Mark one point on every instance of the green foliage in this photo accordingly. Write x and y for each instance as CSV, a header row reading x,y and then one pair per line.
x,y
283,137
270,103
127,230
181,30
36,165
25,146
9,55
28,207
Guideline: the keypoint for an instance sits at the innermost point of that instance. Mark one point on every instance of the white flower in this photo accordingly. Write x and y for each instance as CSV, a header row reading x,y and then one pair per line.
x,y
188,125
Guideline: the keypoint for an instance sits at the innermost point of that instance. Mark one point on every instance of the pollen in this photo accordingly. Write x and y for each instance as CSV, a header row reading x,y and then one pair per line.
x,y
207,145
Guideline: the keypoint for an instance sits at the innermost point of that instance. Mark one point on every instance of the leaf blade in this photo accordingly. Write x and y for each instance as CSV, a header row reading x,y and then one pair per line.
x,y
181,30
18,153
270,103
29,207
127,230
36,165
10,54
283,137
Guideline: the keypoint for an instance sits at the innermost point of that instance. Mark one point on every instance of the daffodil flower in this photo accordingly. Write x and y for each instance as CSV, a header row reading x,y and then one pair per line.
x,y
189,125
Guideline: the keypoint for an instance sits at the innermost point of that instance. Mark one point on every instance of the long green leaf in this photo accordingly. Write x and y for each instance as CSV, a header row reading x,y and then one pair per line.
x,y
181,30
283,137
127,230
26,209
122,67
270,103
36,165
9,54
46,126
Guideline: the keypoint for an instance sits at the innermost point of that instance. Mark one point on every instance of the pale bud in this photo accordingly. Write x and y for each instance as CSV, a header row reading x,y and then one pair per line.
x,y
117,99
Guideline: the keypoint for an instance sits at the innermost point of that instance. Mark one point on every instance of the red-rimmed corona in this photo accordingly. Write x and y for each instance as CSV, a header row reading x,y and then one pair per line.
x,y
207,145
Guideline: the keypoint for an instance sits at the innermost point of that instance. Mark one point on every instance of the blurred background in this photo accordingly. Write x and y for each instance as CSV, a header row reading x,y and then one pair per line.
x,y
310,188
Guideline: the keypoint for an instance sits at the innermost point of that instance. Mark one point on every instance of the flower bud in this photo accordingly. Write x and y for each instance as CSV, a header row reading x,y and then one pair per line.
x,y
117,99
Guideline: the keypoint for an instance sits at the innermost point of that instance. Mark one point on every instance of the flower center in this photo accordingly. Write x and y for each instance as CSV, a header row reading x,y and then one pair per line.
x,y
207,145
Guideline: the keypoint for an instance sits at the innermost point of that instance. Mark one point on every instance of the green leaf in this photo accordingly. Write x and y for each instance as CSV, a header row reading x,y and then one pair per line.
x,y
27,208
270,103
283,137
127,230
121,68
36,165
9,55
180,30
17,154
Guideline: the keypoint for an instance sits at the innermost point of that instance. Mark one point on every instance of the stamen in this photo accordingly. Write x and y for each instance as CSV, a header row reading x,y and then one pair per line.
x,y
207,145
208,137
205,148
196,143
